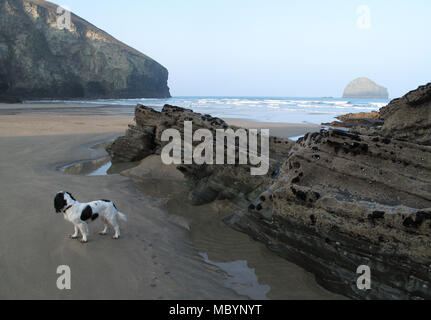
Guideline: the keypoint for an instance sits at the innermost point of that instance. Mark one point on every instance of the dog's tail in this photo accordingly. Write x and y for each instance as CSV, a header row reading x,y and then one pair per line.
x,y
122,216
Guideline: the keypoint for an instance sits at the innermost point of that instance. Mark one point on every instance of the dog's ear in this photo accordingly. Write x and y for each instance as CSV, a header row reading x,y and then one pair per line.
x,y
59,202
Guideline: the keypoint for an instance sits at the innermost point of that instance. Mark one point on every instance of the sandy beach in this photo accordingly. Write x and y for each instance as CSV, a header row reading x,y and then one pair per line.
x,y
238,151
277,129
165,252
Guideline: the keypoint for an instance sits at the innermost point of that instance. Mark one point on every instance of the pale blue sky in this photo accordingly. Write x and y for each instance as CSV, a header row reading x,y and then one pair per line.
x,y
304,48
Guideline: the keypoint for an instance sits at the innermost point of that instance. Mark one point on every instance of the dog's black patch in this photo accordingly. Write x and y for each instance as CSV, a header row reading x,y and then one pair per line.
x,y
109,201
87,213
59,202
94,216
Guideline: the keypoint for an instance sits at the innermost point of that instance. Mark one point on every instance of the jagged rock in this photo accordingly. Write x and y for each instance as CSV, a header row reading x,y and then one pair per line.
x,y
354,120
135,146
355,123
343,200
373,115
364,88
409,117
207,182
41,61
153,168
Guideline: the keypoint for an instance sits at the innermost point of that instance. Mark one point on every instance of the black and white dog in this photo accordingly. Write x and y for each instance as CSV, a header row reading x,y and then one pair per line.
x,y
81,213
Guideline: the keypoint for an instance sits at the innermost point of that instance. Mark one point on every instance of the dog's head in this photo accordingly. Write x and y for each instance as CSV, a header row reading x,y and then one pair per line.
x,y
62,200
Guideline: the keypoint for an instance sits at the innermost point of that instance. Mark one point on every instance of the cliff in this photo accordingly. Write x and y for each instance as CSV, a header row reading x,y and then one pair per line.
x,y
38,59
364,88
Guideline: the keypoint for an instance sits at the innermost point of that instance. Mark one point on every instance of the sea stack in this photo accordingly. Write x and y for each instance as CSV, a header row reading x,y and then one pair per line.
x,y
364,88
47,52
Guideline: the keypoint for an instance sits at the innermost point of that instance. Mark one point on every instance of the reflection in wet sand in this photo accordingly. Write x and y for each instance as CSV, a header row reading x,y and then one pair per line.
x,y
250,268
241,278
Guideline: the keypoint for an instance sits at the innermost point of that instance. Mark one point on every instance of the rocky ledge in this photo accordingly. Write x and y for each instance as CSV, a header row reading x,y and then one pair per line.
x,y
409,117
208,182
342,200
331,202
362,119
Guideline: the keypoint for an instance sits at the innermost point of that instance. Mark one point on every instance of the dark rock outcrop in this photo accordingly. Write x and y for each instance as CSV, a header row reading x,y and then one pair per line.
x,y
373,115
343,200
38,60
364,88
207,182
409,117
362,119
332,202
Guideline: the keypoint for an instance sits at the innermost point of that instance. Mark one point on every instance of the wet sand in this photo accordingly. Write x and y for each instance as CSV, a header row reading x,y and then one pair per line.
x,y
169,250
61,118
276,129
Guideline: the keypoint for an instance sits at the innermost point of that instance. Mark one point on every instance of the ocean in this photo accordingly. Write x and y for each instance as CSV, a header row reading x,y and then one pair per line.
x,y
267,109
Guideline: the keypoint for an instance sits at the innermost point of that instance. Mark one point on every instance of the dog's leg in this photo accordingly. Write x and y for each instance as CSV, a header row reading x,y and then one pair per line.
x,y
117,232
76,234
105,231
83,227
116,227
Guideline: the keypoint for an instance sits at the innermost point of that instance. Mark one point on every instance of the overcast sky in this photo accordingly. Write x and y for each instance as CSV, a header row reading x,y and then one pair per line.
x,y
304,48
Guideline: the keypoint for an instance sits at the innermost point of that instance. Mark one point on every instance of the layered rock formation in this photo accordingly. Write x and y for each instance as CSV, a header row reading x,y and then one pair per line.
x,y
362,119
348,199
342,200
409,117
208,182
41,58
364,88
331,202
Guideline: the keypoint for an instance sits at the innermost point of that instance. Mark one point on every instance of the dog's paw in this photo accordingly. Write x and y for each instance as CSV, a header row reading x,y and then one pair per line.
x,y
102,233
116,237
83,241
73,237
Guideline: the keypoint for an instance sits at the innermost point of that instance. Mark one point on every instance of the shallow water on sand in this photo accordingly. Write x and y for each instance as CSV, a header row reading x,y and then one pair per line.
x,y
97,167
250,268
